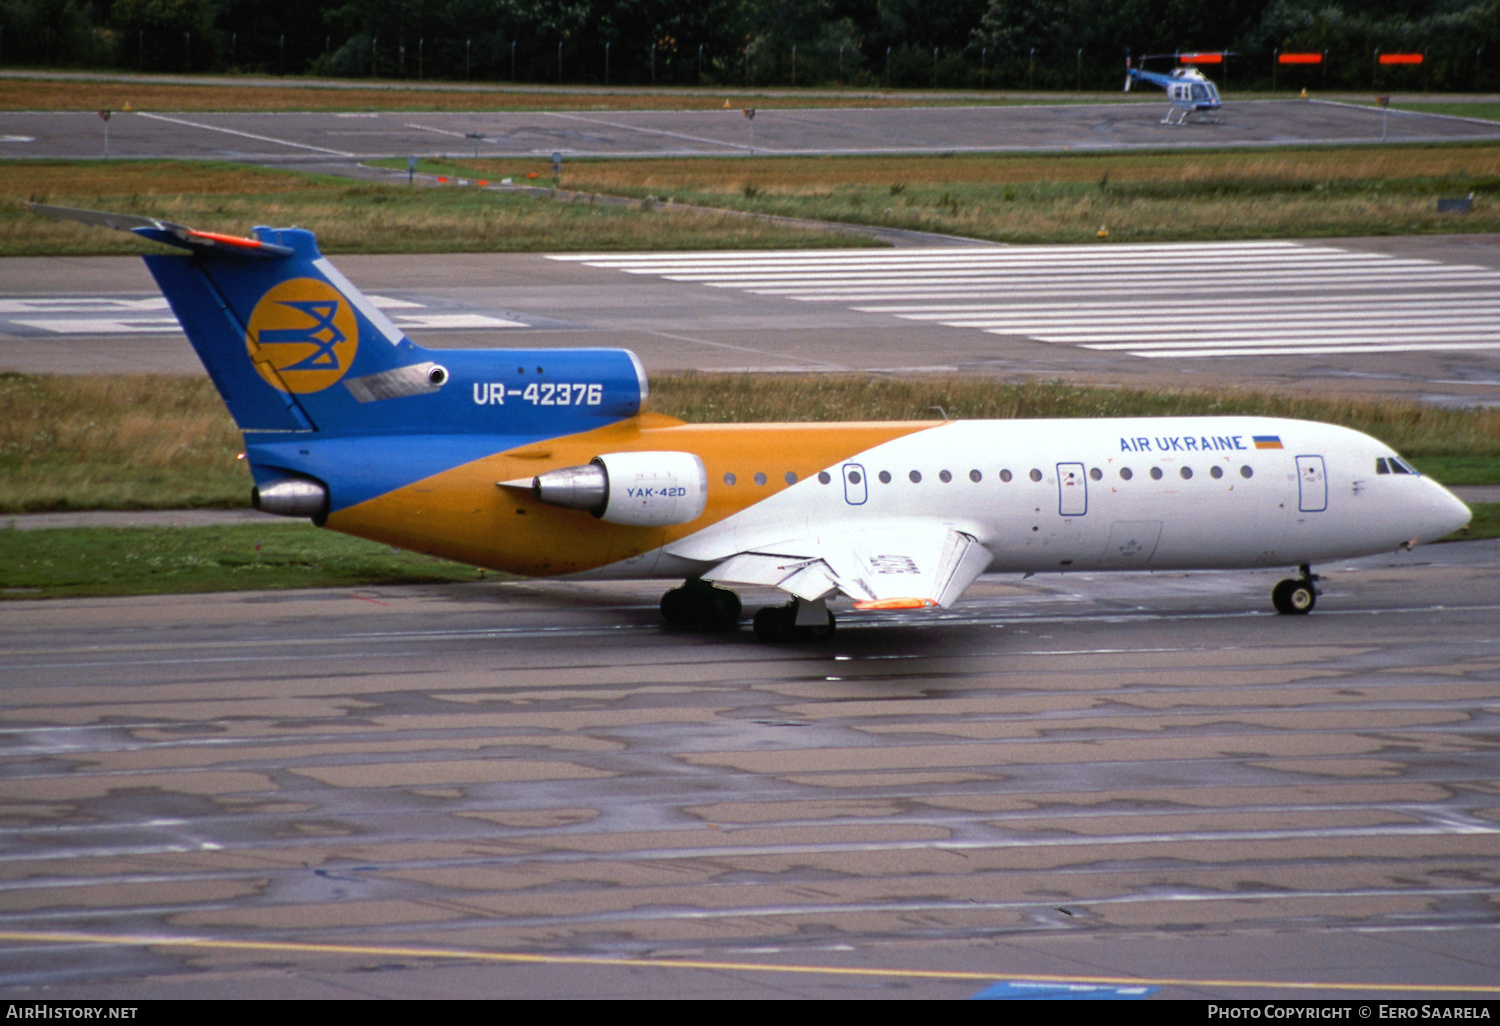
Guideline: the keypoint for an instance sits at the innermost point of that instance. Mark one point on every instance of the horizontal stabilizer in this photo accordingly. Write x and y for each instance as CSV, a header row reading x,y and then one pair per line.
x,y
164,231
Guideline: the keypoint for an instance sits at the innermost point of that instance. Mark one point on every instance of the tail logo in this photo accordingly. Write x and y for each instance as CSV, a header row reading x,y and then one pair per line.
x,y
302,335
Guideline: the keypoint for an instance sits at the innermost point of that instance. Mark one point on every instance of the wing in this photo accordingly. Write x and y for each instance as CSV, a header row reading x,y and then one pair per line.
x,y
902,566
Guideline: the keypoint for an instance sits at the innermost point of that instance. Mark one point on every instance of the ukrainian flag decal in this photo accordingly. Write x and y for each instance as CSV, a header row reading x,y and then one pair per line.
x,y
302,335
1267,441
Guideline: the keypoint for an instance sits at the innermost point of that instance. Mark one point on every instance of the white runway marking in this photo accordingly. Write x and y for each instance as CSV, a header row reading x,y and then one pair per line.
x,y
111,315
1177,300
245,135
86,304
454,321
103,326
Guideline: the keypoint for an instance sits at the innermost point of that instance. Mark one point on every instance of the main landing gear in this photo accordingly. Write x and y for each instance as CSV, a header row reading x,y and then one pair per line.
x,y
795,621
700,604
1296,596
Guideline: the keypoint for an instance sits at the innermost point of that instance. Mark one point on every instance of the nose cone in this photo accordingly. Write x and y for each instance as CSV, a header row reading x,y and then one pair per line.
x,y
1443,513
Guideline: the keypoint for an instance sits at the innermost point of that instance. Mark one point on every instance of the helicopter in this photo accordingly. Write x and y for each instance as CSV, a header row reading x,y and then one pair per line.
x,y
1189,91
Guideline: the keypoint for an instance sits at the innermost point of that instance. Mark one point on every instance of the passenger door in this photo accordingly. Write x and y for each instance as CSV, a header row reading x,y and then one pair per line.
x,y
1312,484
1072,490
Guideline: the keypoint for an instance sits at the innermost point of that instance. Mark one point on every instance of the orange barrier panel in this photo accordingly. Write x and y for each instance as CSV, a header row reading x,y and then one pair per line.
x,y
1201,58
1400,58
1300,58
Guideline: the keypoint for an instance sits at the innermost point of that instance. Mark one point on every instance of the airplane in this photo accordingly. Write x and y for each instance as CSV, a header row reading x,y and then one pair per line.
x,y
1189,91
547,463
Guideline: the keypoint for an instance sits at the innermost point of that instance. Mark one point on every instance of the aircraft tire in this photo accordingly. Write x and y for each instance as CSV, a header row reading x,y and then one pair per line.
x,y
700,604
779,623
1294,598
679,609
722,610
775,623
817,633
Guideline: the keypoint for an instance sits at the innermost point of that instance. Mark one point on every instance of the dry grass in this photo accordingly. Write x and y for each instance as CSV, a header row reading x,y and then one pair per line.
x,y
149,442
352,217
80,442
1067,198
801,175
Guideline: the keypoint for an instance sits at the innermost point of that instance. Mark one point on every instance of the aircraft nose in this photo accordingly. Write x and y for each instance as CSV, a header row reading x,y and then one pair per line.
x,y
1445,513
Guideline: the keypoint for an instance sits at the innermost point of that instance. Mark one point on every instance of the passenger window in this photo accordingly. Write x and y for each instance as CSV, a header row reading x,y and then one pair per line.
x,y
729,479
823,477
1125,474
760,479
791,477
1036,475
1096,474
1246,473
975,476
1187,473
915,477
1156,473
1216,472
885,477
1005,476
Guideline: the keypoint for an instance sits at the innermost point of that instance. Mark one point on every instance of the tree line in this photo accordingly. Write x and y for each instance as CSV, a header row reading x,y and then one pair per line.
x,y
946,44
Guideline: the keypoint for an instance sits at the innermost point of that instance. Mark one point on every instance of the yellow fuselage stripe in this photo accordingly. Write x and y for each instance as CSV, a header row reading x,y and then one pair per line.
x,y
461,514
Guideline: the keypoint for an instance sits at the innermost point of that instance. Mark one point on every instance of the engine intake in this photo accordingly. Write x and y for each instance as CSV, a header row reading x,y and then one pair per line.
x,y
637,489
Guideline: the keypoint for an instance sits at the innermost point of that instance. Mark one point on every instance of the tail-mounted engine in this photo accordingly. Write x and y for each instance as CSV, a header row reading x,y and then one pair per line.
x,y
638,489
292,497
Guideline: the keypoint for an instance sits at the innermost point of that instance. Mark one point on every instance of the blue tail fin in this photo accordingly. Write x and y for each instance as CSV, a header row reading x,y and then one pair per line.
x,y
292,346
278,334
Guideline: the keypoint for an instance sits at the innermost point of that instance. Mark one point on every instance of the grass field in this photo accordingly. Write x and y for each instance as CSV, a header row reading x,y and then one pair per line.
x,y
1029,198
350,217
153,442
161,560
1482,110
1293,193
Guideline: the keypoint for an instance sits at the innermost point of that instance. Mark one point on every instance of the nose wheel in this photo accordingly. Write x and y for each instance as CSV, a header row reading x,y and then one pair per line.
x,y
1296,596
700,604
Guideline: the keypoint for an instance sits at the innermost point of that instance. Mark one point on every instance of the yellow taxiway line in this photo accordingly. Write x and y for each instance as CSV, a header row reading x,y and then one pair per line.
x,y
285,947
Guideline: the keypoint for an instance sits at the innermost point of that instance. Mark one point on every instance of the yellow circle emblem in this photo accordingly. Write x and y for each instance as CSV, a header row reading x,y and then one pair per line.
x,y
302,335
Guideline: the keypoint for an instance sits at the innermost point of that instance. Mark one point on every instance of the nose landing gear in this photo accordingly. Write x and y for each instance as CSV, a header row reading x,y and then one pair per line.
x,y
700,604
1296,596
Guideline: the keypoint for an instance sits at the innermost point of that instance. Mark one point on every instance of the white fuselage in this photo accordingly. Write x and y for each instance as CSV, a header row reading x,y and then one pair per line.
x,y
1108,494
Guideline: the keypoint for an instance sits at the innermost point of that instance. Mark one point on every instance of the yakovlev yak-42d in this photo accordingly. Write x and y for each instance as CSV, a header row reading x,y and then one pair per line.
x,y
545,463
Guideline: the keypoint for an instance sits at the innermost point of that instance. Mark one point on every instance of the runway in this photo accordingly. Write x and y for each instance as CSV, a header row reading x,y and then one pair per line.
x,y
302,137
1413,318
1091,780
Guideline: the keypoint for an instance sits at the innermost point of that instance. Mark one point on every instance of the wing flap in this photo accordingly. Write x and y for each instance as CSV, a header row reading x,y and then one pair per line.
x,y
905,566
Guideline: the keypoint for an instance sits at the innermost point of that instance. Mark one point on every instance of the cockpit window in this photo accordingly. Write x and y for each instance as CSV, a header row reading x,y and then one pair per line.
x,y
1394,465
1380,467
